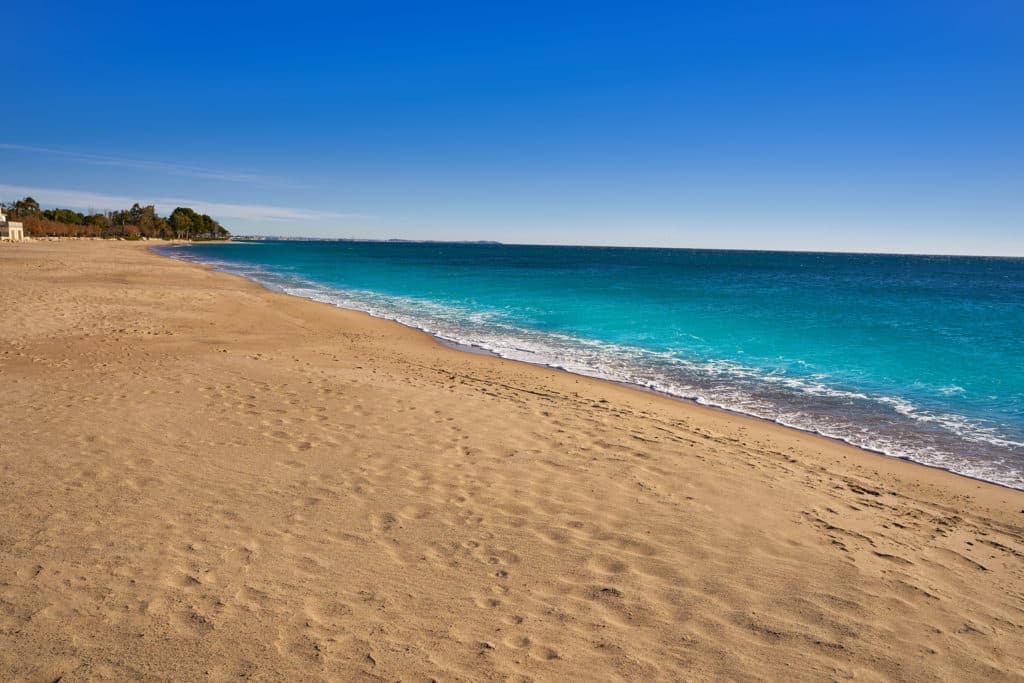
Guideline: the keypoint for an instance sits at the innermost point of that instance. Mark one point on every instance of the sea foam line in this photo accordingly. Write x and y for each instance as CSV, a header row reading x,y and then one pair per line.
x,y
632,365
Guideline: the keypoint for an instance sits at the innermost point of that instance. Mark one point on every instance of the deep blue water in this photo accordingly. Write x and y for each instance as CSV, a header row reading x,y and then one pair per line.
x,y
919,357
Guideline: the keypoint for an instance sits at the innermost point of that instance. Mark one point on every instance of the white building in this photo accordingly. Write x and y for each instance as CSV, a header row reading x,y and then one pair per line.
x,y
11,231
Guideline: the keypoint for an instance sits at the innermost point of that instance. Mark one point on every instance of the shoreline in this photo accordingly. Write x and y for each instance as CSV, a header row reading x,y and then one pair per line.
x,y
690,401
202,478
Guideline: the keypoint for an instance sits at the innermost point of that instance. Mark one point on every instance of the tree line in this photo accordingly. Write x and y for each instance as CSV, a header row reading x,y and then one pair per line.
x,y
134,223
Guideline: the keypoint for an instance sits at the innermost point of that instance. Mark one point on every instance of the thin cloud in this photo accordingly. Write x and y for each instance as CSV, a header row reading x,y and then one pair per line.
x,y
76,199
155,166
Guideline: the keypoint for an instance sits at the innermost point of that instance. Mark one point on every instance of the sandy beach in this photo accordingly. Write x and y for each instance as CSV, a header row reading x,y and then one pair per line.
x,y
204,480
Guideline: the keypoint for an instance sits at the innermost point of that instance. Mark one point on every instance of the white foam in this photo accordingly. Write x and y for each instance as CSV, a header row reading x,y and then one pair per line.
x,y
718,383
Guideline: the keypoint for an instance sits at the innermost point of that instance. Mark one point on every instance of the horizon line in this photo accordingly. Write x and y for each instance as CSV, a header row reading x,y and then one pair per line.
x,y
393,240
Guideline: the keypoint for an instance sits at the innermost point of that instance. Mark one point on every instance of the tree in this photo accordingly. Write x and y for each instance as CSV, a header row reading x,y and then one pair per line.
x,y
147,221
25,207
97,219
66,216
183,222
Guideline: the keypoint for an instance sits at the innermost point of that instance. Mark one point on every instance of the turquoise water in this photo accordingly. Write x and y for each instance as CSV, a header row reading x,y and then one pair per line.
x,y
918,357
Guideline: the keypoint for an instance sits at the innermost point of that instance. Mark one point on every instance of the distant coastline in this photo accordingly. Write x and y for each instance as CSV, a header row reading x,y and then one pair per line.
x,y
392,240
371,240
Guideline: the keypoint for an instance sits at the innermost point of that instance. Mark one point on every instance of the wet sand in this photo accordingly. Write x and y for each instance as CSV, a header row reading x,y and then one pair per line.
x,y
202,479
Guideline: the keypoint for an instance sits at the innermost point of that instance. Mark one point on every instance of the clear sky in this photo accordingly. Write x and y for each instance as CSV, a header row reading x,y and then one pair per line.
x,y
856,126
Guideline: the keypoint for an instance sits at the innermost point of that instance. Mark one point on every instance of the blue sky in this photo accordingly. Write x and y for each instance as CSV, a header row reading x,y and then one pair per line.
x,y
840,126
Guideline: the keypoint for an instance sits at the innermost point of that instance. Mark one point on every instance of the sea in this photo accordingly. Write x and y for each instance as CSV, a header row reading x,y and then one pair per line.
x,y
915,357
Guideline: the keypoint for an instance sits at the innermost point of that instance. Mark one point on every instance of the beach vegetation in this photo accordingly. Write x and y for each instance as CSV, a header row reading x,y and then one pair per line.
x,y
24,207
137,222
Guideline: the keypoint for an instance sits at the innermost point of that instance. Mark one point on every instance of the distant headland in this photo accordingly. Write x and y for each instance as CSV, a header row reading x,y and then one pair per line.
x,y
393,240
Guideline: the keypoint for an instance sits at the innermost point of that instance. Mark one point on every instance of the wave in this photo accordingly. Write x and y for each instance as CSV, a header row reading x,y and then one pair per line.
x,y
890,425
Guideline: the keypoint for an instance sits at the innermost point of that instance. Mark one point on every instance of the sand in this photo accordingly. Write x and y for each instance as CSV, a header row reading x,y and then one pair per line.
x,y
201,479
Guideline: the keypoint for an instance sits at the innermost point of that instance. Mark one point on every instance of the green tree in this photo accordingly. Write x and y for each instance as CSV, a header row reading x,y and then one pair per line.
x,y
182,221
26,207
148,222
66,216
97,219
